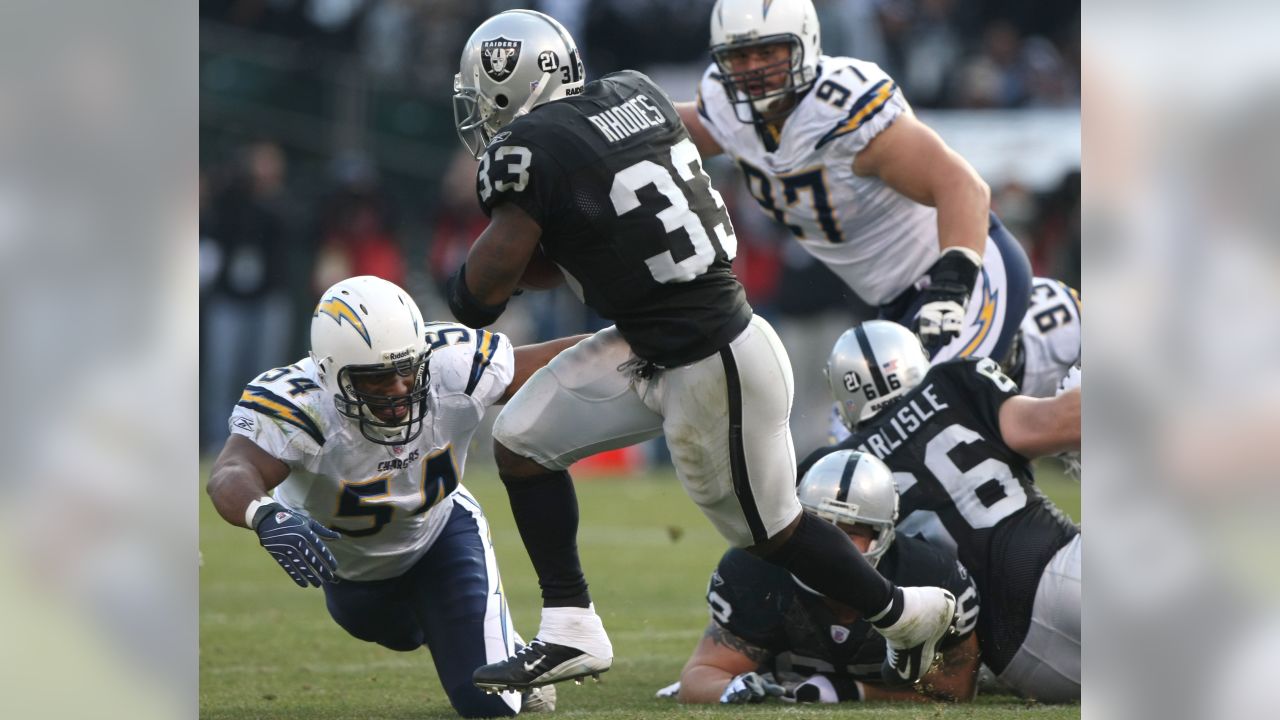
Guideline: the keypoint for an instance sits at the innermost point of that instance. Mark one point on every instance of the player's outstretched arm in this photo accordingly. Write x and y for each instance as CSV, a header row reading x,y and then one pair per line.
x,y
720,660
707,145
910,158
242,473
1035,427
238,485
531,358
478,292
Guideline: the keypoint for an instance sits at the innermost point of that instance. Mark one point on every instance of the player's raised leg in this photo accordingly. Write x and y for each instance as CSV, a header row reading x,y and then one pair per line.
x,y
734,455
579,405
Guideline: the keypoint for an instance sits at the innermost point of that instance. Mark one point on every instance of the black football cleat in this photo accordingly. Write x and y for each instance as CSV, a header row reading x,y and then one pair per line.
x,y
538,664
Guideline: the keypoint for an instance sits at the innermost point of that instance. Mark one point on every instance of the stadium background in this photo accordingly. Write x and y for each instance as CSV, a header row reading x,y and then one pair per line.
x,y
327,149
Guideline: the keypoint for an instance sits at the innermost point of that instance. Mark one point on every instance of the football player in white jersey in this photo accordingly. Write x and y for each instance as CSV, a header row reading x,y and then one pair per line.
x,y
1049,344
830,147
347,466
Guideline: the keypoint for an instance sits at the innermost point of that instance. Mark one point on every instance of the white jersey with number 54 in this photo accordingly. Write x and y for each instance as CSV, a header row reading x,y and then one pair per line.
x,y
389,502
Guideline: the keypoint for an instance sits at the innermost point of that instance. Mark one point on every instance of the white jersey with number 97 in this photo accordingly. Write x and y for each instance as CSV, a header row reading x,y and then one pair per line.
x,y
876,239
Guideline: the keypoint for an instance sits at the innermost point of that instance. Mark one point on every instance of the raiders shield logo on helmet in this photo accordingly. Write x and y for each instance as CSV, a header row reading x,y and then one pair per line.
x,y
499,57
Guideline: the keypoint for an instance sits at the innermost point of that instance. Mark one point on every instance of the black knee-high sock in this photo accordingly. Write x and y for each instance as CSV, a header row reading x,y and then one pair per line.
x,y
825,559
546,512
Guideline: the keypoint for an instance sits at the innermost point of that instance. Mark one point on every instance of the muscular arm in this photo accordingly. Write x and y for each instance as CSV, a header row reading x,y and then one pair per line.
x,y
242,473
910,158
1034,427
719,657
494,266
530,358
707,145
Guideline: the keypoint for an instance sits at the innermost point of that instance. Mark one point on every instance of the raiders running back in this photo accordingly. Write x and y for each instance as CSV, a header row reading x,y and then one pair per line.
x,y
961,487
627,213
762,604
388,501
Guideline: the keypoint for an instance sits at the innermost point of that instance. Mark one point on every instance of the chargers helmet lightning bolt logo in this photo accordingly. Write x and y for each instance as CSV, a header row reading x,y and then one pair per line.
x,y
337,308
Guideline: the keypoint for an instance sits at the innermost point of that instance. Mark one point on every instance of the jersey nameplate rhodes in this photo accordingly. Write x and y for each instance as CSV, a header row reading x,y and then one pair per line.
x,y
633,116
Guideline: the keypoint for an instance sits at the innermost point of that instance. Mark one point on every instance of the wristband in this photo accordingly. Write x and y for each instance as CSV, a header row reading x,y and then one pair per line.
x,y
465,306
251,513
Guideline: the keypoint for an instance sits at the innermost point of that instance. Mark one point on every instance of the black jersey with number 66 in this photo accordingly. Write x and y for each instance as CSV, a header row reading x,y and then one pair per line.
x,y
962,487
627,212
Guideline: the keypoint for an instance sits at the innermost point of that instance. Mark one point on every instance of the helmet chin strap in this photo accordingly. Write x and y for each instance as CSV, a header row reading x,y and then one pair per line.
x,y
543,86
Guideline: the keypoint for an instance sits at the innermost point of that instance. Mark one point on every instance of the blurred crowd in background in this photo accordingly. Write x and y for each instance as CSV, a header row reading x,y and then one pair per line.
x,y
327,149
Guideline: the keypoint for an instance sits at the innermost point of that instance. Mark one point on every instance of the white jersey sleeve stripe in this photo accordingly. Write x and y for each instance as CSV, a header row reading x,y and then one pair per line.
x,y
485,349
262,400
867,106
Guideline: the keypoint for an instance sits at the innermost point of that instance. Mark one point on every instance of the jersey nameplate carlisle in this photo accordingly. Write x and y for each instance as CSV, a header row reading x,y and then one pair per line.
x,y
633,116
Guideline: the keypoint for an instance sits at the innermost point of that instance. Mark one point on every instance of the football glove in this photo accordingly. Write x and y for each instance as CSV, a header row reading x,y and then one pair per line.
x,y
750,688
293,539
820,688
951,281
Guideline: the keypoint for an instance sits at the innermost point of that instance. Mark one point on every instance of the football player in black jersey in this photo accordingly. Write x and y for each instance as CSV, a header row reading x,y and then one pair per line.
x,y
764,621
602,179
958,438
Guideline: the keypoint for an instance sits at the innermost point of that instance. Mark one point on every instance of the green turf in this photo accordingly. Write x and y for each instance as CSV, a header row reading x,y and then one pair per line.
x,y
269,650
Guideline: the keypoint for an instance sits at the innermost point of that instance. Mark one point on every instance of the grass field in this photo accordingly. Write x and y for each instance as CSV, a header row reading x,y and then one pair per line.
x,y
269,650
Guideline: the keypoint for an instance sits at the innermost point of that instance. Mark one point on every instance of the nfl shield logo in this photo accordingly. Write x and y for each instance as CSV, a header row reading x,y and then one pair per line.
x,y
839,633
499,57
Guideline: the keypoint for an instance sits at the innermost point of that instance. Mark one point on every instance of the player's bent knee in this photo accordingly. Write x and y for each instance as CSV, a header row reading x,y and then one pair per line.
x,y
400,642
472,702
771,546
403,639
511,465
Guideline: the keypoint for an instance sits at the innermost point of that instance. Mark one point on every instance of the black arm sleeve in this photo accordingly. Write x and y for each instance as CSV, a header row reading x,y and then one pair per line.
x,y
465,307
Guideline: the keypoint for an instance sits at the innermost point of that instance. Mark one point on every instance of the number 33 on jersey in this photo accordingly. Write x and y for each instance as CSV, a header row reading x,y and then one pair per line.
x,y
626,210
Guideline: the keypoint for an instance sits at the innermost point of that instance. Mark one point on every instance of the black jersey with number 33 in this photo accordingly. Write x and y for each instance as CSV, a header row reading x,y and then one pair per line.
x,y
962,487
617,186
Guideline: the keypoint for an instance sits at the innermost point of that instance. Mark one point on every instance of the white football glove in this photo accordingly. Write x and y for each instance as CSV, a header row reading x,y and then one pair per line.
x,y
951,281
940,321
750,688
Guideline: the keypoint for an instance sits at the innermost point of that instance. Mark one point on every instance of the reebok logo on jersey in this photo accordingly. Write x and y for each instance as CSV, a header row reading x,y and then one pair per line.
x,y
633,116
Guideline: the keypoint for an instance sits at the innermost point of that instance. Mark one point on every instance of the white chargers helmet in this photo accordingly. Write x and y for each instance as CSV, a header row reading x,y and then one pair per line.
x,y
849,487
872,364
514,62
363,330
739,25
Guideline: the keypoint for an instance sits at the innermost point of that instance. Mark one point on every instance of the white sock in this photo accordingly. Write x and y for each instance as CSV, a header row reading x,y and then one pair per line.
x,y
576,627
